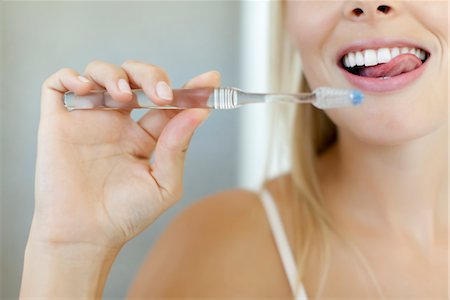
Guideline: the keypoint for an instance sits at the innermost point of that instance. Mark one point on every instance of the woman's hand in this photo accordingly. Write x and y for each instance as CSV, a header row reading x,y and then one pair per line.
x,y
94,181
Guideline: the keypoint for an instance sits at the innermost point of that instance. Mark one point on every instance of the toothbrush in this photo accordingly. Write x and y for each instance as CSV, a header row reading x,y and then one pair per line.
x,y
215,98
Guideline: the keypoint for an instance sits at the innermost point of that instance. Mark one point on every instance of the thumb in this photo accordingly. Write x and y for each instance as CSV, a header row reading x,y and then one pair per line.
x,y
168,166
170,151
208,79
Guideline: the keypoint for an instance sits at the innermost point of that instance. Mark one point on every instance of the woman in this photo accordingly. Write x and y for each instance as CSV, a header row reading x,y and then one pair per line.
x,y
364,207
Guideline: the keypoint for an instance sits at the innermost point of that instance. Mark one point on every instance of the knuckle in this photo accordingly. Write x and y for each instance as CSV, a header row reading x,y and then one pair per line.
x,y
128,62
66,71
158,70
155,73
94,65
104,70
147,69
63,72
45,84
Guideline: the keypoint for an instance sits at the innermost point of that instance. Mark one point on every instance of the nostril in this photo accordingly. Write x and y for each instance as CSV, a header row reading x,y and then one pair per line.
x,y
358,12
384,9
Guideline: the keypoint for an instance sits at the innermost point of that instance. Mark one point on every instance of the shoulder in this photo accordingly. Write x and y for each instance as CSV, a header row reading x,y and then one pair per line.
x,y
214,221
228,205
232,208
207,245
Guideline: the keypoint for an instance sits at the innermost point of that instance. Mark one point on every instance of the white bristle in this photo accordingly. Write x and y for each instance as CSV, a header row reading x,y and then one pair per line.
x,y
333,97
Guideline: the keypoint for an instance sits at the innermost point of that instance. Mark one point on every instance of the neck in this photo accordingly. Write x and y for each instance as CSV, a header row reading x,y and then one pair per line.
x,y
402,188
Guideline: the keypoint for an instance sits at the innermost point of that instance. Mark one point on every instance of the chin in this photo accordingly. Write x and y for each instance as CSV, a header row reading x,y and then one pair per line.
x,y
389,125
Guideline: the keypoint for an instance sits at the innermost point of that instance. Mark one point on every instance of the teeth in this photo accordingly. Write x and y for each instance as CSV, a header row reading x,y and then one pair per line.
x,y
422,55
371,57
346,61
395,52
359,59
404,50
417,52
351,59
383,55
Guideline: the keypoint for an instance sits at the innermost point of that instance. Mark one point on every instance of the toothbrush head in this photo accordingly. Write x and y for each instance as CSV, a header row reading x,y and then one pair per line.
x,y
357,97
328,97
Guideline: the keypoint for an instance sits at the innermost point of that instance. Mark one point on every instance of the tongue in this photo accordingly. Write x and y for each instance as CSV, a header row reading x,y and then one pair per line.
x,y
400,64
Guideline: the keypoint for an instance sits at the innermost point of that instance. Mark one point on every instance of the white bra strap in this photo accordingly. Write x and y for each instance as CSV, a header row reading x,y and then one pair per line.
x,y
302,293
282,243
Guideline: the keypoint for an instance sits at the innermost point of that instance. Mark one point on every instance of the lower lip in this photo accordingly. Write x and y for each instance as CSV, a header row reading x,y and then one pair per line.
x,y
376,85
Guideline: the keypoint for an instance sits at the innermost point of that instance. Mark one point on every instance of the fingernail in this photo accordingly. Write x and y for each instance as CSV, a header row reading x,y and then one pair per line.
x,y
124,86
164,91
83,79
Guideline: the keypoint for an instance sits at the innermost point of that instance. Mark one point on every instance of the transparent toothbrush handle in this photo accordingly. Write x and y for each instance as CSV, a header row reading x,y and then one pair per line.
x,y
213,98
101,99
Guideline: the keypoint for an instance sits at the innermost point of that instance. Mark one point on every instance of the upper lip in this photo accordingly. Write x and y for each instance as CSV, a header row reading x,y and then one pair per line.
x,y
377,44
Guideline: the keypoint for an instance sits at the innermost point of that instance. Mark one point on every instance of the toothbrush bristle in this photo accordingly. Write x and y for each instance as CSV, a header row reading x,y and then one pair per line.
x,y
327,97
357,97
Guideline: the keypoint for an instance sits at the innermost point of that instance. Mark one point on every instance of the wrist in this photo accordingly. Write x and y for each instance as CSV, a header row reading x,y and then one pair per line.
x,y
70,241
74,251
75,270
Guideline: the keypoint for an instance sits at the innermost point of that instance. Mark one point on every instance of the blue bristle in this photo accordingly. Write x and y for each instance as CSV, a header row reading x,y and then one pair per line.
x,y
357,97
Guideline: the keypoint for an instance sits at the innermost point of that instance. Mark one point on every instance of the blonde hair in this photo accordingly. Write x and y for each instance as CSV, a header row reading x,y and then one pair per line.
x,y
304,133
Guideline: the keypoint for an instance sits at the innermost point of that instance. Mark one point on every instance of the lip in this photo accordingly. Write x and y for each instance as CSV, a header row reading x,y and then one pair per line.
x,y
377,44
376,85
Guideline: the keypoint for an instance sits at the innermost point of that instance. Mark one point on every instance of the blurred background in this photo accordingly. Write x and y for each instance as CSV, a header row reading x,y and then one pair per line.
x,y
185,38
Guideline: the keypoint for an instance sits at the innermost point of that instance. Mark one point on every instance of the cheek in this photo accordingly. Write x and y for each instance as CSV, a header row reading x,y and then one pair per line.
x,y
310,25
433,15
300,19
310,21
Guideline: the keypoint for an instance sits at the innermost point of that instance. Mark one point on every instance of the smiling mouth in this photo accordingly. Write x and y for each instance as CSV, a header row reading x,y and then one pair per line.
x,y
383,63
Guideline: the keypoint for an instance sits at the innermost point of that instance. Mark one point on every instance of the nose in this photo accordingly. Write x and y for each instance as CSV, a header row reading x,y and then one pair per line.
x,y
367,11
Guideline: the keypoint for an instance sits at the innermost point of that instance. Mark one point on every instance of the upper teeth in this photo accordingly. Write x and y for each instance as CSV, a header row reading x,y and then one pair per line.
x,y
371,57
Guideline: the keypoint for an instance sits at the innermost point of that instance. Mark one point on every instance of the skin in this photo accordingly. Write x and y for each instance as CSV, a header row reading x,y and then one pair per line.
x,y
222,246
83,176
398,151
400,137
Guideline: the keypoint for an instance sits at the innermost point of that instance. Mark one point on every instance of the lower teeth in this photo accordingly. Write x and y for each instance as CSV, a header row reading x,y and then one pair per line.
x,y
384,78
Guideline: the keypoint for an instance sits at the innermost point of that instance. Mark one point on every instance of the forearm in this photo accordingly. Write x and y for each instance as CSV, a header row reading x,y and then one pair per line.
x,y
61,271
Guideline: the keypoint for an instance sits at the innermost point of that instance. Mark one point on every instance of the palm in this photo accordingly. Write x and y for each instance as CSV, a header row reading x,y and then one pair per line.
x,y
94,181
106,154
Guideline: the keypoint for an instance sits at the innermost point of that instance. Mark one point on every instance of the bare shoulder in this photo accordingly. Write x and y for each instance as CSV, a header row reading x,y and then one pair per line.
x,y
215,247
234,205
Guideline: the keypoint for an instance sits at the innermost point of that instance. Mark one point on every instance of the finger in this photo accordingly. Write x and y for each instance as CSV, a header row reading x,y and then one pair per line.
x,y
153,80
54,87
170,152
154,121
110,77
174,140
208,79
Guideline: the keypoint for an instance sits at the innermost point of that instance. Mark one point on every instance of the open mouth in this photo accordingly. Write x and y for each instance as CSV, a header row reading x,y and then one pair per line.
x,y
382,69
383,63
